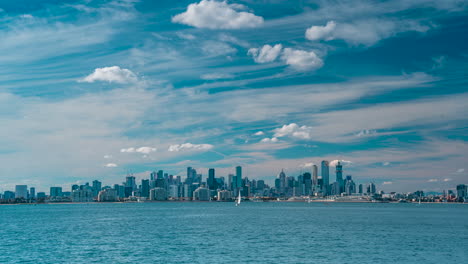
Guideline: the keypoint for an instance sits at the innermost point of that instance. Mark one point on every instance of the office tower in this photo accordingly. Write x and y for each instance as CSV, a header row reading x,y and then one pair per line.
x,y
153,176
130,182
82,195
189,172
325,177
160,174
32,193
75,187
201,194
21,191
55,192
260,184
349,186
282,181
231,184
97,186
211,179
41,195
224,195
335,188
238,177
339,175
158,194
8,195
174,191
145,188
107,195
314,175
462,192
307,178
370,188
360,189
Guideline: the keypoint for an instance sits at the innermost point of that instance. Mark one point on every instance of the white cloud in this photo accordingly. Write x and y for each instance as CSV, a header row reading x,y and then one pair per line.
x,y
307,165
386,163
460,170
111,74
185,36
217,48
269,140
110,165
293,130
433,180
321,32
266,53
301,59
259,133
217,15
387,183
363,32
26,16
189,146
333,163
108,156
215,76
144,150
366,132
447,179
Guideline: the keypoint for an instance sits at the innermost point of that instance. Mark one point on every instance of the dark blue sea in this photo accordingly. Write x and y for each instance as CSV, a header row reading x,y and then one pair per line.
x,y
211,232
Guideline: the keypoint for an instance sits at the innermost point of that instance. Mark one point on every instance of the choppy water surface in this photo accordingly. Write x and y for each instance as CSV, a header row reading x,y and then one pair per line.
x,y
222,233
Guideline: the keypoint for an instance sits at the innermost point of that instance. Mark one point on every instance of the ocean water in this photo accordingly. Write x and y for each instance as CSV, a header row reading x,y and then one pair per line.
x,y
270,232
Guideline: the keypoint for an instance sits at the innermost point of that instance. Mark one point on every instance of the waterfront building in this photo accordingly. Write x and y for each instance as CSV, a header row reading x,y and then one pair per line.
x,y
130,182
201,194
158,194
82,195
55,192
336,188
325,176
174,192
462,192
21,191
211,181
97,186
7,195
107,195
32,193
41,195
224,195
145,188
339,175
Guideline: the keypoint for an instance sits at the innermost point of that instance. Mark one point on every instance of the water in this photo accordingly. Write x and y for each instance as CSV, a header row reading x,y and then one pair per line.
x,y
222,233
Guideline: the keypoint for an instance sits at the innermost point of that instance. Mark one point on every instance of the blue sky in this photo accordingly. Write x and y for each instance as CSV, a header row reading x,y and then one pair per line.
x,y
95,89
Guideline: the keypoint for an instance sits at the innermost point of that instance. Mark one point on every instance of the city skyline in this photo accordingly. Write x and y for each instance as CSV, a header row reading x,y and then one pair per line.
x,y
97,89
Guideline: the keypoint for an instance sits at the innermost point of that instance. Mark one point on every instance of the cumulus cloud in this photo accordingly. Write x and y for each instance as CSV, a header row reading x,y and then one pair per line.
x,y
216,76
333,163
144,150
111,74
387,183
189,146
266,53
433,180
110,165
269,140
301,59
321,32
447,179
217,15
259,133
294,130
460,170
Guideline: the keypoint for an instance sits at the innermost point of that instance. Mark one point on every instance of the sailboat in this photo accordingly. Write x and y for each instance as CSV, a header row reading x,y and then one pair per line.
x,y
239,198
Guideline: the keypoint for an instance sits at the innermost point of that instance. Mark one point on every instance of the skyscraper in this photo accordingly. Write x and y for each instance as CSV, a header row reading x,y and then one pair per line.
x,y
211,179
55,192
97,186
145,188
325,176
339,176
130,182
32,193
21,191
238,177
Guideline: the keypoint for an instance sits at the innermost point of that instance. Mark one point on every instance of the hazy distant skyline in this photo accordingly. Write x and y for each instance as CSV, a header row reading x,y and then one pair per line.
x,y
96,89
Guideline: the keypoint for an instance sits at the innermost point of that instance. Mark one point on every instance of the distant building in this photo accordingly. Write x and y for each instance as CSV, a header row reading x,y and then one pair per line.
x,y
97,186
82,195
41,195
21,191
107,195
201,194
211,181
174,191
462,192
145,188
158,194
7,195
32,193
55,192
224,195
325,176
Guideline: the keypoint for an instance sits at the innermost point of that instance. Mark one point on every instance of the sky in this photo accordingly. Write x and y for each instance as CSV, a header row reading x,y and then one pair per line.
x,y
98,89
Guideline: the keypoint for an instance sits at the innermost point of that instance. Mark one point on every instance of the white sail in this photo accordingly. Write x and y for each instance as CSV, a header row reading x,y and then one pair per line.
x,y
238,199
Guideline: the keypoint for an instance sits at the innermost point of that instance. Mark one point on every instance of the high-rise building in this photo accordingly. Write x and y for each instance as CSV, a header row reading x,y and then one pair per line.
x,y
307,178
339,176
130,182
160,174
238,177
462,192
21,191
158,194
325,177
107,195
282,182
32,193
314,175
201,194
97,186
211,182
145,188
174,192
55,192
